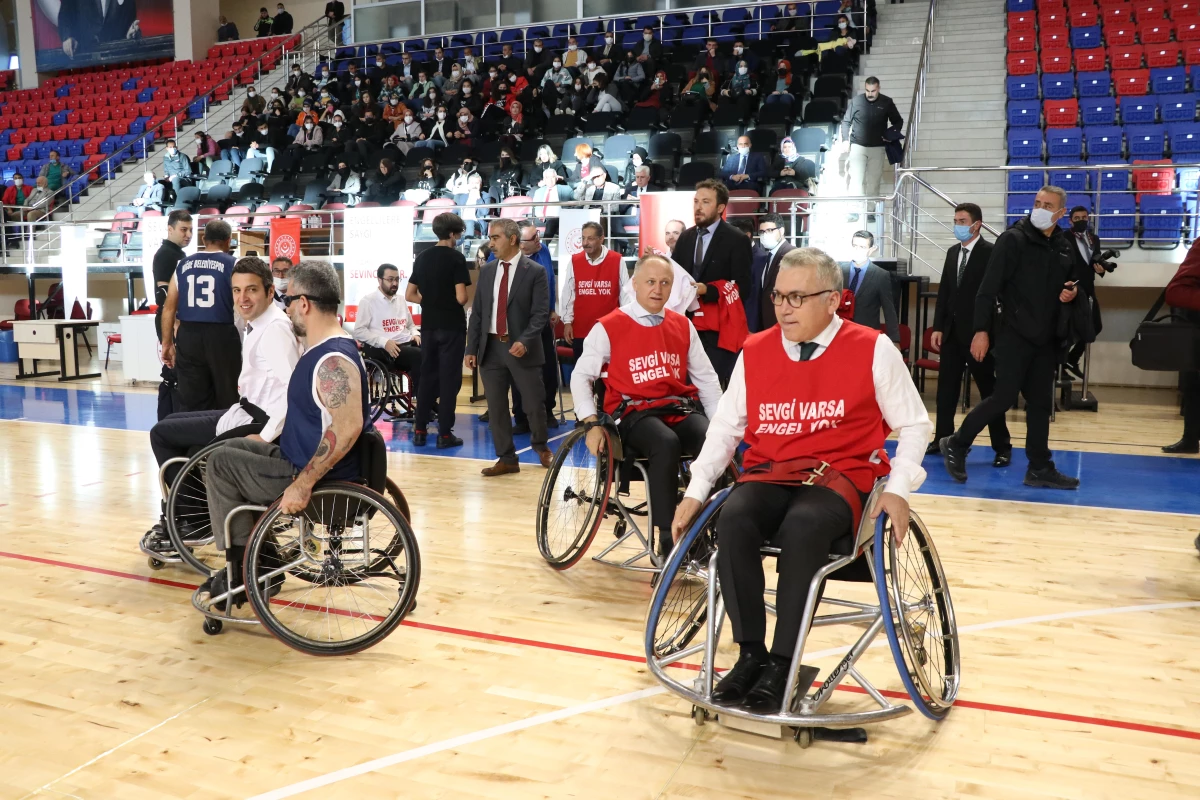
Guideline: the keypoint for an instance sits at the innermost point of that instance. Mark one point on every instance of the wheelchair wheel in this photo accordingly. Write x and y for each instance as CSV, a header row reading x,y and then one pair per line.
x,y
188,524
379,387
919,616
573,500
361,563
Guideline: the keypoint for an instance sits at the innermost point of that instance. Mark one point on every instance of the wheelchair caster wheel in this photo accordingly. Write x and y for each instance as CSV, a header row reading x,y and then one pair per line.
x,y
699,715
154,563
804,737
212,626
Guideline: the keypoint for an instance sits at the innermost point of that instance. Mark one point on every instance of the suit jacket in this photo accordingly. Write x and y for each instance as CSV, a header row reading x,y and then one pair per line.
x,y
727,258
528,310
586,191
764,283
541,195
1083,271
756,167
83,21
954,313
152,194
874,294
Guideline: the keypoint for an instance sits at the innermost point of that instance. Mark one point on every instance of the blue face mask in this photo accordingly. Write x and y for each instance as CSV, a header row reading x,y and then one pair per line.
x,y
962,233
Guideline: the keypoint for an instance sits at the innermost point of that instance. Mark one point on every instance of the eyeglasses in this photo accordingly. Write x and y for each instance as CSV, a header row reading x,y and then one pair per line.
x,y
288,299
795,299
767,230
529,241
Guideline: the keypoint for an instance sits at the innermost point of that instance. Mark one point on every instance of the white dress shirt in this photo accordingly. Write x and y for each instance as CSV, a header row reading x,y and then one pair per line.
x,y
597,350
269,354
382,319
969,247
566,302
895,392
705,235
683,290
512,271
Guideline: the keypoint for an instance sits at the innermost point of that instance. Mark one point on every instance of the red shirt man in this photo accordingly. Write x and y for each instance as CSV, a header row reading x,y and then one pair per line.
x,y
594,284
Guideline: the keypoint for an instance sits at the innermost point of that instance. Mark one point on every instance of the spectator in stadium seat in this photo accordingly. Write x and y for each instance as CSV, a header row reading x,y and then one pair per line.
x,y
363,105
262,25
428,179
345,186
279,122
436,130
281,25
259,145
626,225
298,80
386,185
393,113
648,51
55,172
545,159
227,32
439,67
609,53
423,91
468,200
452,85
469,99
791,170
550,189
554,80
782,93
472,64
712,60
591,69
391,88
508,176
407,134
597,189
740,90
537,61
512,64
512,127
586,162
253,106
743,53
177,169
206,152
37,205
307,114
338,136
661,93
406,71
380,72
149,195
308,140
629,79
369,137
458,180
607,100
573,57
701,89
637,157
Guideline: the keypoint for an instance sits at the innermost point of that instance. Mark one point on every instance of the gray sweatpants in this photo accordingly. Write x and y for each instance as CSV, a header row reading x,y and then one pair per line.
x,y
866,169
244,472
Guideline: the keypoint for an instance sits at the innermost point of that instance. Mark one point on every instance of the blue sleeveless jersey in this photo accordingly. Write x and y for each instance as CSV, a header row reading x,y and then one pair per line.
x,y
304,425
205,283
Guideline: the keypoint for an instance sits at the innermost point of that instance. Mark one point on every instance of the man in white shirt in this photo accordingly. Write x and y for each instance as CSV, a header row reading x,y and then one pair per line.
x,y
599,262
386,328
814,401
269,354
658,377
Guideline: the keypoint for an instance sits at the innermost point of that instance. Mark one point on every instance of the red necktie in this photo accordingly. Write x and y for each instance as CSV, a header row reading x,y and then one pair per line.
x,y
502,301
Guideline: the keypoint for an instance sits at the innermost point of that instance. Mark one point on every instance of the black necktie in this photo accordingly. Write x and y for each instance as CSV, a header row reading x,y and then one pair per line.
x,y
962,264
699,251
807,349
741,165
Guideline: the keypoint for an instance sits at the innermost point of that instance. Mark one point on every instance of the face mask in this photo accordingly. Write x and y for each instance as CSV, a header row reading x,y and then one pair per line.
x,y
537,49
737,51
171,151
308,126
1079,225
441,115
647,37
274,95
408,120
18,182
743,70
743,150
395,101
251,94
379,63
842,25
572,47
455,72
462,120
358,83
558,65
492,75
1042,218
962,233
860,257
608,40
263,131
295,73
199,143
768,240
280,284
337,124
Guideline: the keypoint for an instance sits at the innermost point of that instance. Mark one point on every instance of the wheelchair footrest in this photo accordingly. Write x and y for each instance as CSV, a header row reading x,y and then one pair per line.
x,y
848,735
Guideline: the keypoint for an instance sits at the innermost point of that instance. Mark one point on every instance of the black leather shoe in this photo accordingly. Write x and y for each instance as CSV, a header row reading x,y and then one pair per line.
x,y
1050,478
552,421
484,417
419,438
732,689
520,427
1184,445
450,440
217,586
767,694
955,458
1002,459
934,448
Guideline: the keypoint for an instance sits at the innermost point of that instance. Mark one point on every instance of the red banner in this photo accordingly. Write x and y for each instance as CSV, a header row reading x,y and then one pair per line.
x,y
660,212
285,239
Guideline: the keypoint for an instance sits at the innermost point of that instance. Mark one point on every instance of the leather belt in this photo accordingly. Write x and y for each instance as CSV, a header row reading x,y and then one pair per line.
x,y
808,472
499,337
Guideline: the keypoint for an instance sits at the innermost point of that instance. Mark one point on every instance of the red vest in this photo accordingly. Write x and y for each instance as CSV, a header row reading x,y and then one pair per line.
x,y
647,363
597,289
823,408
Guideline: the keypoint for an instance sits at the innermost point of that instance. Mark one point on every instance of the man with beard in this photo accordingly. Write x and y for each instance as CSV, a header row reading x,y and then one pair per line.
x,y
386,329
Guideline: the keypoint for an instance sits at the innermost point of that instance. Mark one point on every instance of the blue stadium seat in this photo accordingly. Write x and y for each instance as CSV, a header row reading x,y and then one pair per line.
x,y
1064,143
1026,181
1019,5
589,27
1022,87
705,17
1189,179
1024,143
1139,110
735,15
1058,86
1146,141
1024,113
1116,216
1073,180
694,37
1098,111
1104,142
1018,206
1178,107
1085,38
1168,80
1095,84
1162,218
1185,139
725,33
1114,180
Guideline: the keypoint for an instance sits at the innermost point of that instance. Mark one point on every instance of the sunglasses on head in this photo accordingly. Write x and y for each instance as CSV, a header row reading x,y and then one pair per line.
x,y
288,299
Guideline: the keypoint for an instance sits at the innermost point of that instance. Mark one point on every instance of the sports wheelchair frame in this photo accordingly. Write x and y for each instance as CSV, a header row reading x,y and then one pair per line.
x,y
389,392
914,609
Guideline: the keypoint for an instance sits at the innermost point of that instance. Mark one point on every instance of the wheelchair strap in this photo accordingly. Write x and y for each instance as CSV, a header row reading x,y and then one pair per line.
x,y
808,472
672,409
259,416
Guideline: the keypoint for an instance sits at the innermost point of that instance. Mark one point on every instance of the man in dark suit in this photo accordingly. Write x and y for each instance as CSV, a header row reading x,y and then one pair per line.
x,y
609,53
648,51
714,250
1087,247
954,327
504,340
743,169
85,24
626,225
872,286
771,248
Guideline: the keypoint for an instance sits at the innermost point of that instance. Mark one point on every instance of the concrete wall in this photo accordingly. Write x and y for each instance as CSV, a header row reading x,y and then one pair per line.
x,y
195,28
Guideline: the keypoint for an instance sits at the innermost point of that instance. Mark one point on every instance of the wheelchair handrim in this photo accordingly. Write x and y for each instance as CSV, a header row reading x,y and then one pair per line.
x,y
184,547
595,515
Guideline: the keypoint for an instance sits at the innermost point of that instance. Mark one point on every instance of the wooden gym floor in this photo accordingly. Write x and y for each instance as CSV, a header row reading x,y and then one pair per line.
x,y
1079,627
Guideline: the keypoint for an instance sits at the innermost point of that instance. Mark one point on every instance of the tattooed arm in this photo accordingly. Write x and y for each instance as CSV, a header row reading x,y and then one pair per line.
x,y
339,390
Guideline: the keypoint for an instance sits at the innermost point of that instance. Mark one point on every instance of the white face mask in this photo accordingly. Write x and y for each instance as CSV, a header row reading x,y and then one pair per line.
x,y
379,63
262,133
308,126
537,49
408,120
842,25
558,65
455,72
572,47
466,91
171,151
251,94
441,115
492,75
648,37
737,51
1042,218
337,123
358,83
860,256
743,150
608,40
280,284
743,70
768,240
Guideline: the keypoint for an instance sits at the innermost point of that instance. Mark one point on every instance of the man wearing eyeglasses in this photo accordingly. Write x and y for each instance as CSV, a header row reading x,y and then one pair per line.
x,y
768,253
814,398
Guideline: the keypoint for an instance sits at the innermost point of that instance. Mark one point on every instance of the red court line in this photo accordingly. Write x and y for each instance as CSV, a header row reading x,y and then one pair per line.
x,y
494,637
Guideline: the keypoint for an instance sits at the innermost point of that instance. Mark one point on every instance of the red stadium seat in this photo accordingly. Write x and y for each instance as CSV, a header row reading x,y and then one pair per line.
x,y
124,221
1149,10
14,153
1191,53
1093,60
1056,61
1153,180
1155,31
1120,35
1055,39
103,114
1162,55
90,130
1022,64
1131,82
1126,57
1188,30
104,129
45,134
1121,15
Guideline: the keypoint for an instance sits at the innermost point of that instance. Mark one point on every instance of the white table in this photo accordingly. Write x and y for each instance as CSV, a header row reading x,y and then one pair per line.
x,y
140,359
51,340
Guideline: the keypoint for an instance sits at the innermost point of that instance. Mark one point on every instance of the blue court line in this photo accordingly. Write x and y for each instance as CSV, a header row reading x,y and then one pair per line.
x,y
1108,480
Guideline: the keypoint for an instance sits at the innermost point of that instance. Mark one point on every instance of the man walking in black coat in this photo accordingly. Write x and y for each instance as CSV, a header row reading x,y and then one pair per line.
x,y
714,250
954,327
1087,248
1029,272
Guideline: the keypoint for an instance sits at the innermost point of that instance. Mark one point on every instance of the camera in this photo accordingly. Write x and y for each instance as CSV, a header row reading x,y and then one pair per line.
x,y
1105,259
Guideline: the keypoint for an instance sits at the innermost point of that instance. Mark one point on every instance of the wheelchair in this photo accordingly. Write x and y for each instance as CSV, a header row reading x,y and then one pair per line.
x,y
389,392
913,607
581,491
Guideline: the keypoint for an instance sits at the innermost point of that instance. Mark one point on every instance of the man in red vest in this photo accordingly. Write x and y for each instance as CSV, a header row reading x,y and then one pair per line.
x,y
814,397
657,369
594,284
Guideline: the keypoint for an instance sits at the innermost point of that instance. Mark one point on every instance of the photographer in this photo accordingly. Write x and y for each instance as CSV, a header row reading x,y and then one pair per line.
x,y
1089,262
1183,294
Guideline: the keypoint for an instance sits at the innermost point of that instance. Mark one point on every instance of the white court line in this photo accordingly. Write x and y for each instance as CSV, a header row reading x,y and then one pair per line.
x,y
112,750
598,705
548,441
